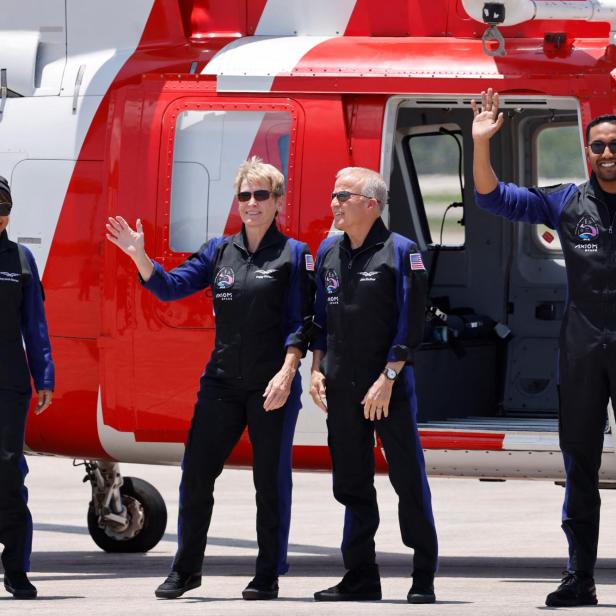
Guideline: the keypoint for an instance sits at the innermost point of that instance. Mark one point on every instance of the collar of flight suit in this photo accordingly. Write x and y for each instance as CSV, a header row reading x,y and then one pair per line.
x,y
593,190
5,243
378,234
272,236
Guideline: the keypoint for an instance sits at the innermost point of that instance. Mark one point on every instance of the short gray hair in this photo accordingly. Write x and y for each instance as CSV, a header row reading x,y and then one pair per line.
x,y
373,184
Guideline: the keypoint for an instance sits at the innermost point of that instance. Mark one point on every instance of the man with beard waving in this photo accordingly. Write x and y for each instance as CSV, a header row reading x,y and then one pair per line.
x,y
584,218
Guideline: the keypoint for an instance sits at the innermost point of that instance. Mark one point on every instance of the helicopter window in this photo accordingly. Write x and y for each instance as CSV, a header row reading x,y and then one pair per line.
x,y
559,160
437,158
209,146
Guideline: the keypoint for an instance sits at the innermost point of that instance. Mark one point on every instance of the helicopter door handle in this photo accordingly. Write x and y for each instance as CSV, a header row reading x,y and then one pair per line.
x,y
549,311
78,81
4,90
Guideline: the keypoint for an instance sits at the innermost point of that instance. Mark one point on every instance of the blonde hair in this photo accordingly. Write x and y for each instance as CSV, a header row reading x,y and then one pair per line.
x,y
254,169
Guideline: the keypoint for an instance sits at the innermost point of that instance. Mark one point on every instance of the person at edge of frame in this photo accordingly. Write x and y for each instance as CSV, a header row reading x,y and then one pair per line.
x,y
584,218
371,280
23,321
263,291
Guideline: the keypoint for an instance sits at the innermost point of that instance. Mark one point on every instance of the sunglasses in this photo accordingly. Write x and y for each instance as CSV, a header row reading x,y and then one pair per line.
x,y
345,195
259,195
598,147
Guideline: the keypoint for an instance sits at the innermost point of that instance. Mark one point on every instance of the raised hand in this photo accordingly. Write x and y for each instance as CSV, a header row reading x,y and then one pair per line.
x,y
126,239
487,121
131,242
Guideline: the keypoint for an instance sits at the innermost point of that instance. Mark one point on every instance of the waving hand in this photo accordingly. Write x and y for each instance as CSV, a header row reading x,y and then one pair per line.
x,y
130,242
487,121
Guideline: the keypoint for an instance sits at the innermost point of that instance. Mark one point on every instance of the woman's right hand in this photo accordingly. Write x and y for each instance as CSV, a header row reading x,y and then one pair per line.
x,y
130,242
126,239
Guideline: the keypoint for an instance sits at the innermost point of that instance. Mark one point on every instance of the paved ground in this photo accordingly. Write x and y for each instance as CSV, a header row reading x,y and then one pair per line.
x,y
501,550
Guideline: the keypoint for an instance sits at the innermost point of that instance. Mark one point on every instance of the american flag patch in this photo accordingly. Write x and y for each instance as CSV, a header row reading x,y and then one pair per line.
x,y
309,263
416,261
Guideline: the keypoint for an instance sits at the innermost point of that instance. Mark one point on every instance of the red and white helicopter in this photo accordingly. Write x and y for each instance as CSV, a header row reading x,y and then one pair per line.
x,y
146,108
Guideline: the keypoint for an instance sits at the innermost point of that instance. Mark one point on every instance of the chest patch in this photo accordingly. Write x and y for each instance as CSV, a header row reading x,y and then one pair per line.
x,y
225,278
368,276
265,274
586,231
332,283
332,286
9,277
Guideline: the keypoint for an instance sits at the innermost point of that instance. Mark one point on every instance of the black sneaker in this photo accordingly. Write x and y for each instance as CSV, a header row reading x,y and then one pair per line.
x,y
177,584
576,588
360,584
422,589
261,587
17,583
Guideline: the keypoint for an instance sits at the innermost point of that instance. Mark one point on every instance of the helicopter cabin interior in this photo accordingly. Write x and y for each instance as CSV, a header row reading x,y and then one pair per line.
x,y
497,289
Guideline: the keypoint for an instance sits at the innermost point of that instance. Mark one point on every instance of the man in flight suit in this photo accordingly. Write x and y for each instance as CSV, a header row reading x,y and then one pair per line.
x,y
21,317
584,218
370,305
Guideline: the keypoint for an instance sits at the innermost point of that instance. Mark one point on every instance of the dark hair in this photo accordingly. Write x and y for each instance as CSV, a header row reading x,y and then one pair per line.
x,y
6,191
599,120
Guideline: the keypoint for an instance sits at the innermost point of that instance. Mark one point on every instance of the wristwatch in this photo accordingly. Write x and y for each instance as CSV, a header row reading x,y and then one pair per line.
x,y
390,374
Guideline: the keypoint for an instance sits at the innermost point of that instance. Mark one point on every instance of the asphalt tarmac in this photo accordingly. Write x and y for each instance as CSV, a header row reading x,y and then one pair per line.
x,y
501,547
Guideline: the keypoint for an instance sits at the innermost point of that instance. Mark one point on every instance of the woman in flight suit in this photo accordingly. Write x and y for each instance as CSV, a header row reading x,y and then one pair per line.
x,y
262,284
22,320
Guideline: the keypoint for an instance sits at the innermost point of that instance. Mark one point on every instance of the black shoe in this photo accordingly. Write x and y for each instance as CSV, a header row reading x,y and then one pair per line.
x,y
261,587
360,584
177,584
17,583
422,589
576,588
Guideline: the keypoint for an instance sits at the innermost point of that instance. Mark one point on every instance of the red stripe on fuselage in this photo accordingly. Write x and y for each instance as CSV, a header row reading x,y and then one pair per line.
x,y
436,439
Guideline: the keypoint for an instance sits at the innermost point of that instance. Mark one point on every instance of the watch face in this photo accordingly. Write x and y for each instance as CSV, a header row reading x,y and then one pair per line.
x,y
391,374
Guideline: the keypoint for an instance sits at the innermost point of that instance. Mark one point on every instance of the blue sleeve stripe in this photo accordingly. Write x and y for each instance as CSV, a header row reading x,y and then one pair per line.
x,y
293,313
34,331
401,247
320,316
191,276
532,205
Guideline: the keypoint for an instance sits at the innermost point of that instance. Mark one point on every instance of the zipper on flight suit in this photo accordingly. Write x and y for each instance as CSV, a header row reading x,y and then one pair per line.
x,y
352,258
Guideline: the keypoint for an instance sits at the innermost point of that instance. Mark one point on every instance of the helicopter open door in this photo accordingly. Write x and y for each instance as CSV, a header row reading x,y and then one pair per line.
x,y
484,270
